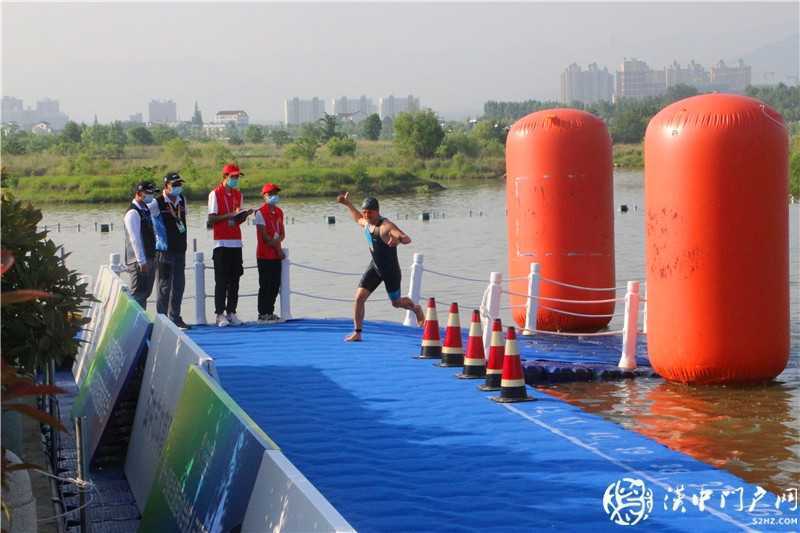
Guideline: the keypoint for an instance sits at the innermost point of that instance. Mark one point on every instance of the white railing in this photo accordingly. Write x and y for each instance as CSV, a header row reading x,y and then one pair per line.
x,y
490,304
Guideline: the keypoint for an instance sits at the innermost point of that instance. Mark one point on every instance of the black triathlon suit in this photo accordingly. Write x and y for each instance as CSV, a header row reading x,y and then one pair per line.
x,y
384,266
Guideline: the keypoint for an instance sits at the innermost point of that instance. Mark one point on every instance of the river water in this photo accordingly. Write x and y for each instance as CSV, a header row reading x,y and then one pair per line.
x,y
753,432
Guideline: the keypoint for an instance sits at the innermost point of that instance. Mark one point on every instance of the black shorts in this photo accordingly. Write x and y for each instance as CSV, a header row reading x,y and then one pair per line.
x,y
372,278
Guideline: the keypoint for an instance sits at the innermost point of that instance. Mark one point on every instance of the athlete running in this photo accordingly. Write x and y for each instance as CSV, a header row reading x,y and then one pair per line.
x,y
383,237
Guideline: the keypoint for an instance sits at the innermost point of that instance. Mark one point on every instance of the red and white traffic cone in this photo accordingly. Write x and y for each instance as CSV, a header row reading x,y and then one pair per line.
x,y
474,359
453,349
512,384
431,347
494,367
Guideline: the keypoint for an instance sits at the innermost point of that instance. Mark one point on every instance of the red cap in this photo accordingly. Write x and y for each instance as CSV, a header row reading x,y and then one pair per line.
x,y
269,187
231,170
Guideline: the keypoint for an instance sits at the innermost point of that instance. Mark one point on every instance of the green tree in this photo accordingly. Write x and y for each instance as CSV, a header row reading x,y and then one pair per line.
x,y
327,127
254,134
162,134
418,133
141,136
38,330
280,137
491,130
116,134
794,168
13,140
303,148
371,127
679,92
387,128
459,143
339,146
71,132
629,126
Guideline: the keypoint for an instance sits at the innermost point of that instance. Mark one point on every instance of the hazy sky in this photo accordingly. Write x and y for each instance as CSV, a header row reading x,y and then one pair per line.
x,y
112,58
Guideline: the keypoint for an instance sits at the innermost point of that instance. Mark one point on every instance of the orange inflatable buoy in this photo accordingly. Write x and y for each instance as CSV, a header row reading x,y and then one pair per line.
x,y
717,240
560,200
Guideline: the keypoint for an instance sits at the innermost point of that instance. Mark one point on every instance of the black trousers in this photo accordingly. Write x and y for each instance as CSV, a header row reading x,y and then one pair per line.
x,y
142,282
171,282
269,284
227,271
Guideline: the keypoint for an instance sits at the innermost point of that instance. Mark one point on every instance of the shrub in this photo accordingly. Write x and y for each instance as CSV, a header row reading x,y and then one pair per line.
x,y
339,146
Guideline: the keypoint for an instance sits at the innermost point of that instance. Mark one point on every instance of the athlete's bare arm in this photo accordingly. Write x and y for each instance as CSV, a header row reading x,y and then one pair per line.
x,y
392,235
355,213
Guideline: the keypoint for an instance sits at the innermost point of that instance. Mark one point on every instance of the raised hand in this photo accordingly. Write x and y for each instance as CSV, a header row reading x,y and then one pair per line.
x,y
343,198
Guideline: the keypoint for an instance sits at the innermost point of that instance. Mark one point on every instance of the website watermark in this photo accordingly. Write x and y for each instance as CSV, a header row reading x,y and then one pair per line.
x,y
630,501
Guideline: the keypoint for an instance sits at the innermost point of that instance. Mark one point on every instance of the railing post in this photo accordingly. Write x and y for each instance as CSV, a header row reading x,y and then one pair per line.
x,y
81,471
492,306
631,328
115,263
414,288
199,289
644,310
532,305
286,289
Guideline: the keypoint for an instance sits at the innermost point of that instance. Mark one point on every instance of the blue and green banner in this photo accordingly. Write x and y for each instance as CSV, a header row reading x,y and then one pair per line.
x,y
120,348
209,464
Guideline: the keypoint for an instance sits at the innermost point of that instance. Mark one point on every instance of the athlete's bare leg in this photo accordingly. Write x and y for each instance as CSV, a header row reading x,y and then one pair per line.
x,y
406,303
358,314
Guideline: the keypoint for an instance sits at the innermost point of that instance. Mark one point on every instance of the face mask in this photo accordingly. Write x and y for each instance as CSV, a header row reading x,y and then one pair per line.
x,y
272,200
148,198
233,183
177,190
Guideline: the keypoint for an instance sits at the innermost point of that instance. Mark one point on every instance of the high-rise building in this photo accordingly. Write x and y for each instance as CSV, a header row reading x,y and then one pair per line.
x,y
694,75
46,111
136,118
297,111
162,112
389,106
237,117
586,86
731,79
353,108
635,79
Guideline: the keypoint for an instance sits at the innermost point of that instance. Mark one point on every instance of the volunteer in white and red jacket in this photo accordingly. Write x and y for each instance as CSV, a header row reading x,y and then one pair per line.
x,y
270,232
225,215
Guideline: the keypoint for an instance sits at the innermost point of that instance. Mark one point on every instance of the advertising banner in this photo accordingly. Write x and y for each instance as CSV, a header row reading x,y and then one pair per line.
x,y
107,289
169,357
122,343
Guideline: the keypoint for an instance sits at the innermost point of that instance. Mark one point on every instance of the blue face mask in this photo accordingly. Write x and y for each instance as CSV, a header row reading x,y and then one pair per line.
x,y
176,190
272,200
233,183
148,198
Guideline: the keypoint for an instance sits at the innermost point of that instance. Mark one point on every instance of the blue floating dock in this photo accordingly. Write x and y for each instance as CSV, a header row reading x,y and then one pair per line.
x,y
396,444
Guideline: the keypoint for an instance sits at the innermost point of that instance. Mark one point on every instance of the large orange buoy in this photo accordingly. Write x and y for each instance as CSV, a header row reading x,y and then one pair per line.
x,y
560,199
716,189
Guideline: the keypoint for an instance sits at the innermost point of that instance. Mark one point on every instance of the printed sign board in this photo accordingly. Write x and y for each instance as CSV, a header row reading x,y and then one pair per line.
x,y
122,343
169,357
209,464
107,290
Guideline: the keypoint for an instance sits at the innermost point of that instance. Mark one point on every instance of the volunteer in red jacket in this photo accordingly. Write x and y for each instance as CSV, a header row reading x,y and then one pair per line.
x,y
270,232
225,215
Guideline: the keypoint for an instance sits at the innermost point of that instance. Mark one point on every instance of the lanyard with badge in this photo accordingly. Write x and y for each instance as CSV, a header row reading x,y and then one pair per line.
x,y
178,222
231,221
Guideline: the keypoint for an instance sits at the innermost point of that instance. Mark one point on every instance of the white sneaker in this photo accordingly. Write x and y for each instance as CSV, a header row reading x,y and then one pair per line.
x,y
222,322
233,320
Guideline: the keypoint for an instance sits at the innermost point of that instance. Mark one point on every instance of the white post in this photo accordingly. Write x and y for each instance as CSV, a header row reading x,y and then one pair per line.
x,y
115,263
492,306
414,289
199,289
532,306
631,328
286,304
644,311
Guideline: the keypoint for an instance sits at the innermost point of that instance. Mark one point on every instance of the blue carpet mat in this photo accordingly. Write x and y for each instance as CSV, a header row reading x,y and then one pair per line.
x,y
396,444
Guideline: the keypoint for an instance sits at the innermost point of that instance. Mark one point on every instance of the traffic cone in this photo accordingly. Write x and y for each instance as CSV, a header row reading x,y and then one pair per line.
x,y
474,359
512,384
431,347
453,349
494,368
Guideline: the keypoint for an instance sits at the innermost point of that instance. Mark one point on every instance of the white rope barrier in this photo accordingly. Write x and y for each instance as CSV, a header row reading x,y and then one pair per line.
x,y
317,269
515,306
554,282
583,315
561,300
332,299
453,276
597,334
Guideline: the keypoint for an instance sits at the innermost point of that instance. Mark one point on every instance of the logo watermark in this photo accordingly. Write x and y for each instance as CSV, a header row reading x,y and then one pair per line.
x,y
628,501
